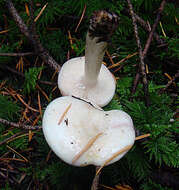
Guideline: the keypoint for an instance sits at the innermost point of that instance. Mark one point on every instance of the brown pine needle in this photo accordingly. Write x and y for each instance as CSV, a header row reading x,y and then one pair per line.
x,y
30,108
122,60
147,69
27,9
17,153
142,136
107,187
168,76
40,13
30,135
64,113
70,39
83,13
12,159
87,146
126,148
36,120
2,84
110,58
4,31
39,104
20,136
43,92
48,156
40,74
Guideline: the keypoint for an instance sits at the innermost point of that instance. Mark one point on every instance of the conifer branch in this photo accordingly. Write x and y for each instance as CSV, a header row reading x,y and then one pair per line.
x,y
16,54
147,28
142,63
149,40
12,124
40,50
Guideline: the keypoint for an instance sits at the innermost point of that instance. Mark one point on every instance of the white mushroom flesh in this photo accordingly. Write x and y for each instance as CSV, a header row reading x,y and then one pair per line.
x,y
81,123
71,82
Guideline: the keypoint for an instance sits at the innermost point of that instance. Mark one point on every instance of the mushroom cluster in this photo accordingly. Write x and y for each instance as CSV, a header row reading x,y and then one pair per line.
x,y
75,126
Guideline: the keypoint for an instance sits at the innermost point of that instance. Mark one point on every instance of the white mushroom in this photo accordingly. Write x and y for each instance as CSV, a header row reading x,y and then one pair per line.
x,y
81,134
86,77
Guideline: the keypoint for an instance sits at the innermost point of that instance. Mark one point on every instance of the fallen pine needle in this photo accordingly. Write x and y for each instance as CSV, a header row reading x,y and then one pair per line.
x,y
30,135
39,103
17,153
64,113
48,156
41,11
20,136
142,136
83,13
126,148
27,9
45,95
122,60
87,146
4,31
26,104
12,159
107,187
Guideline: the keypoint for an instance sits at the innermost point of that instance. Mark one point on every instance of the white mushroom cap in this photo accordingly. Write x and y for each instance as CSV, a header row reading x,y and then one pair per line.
x,y
86,77
71,82
70,124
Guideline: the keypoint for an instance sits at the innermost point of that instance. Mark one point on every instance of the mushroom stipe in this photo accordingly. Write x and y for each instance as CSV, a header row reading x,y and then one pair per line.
x,y
87,146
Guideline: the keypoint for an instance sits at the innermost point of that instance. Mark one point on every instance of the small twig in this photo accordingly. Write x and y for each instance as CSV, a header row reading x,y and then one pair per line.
x,y
147,45
83,13
16,54
146,27
142,63
135,82
27,127
95,183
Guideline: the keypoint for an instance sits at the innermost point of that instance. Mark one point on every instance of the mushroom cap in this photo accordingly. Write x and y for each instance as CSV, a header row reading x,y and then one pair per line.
x,y
69,124
71,82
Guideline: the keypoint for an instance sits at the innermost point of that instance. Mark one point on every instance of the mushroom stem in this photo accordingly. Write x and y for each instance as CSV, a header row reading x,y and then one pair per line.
x,y
94,53
102,25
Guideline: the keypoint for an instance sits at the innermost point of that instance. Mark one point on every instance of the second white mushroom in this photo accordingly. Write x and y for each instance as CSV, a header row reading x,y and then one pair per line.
x,y
86,77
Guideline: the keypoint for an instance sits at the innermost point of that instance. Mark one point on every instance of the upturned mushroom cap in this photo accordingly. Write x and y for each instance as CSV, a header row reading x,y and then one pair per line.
x,y
86,77
71,82
81,134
